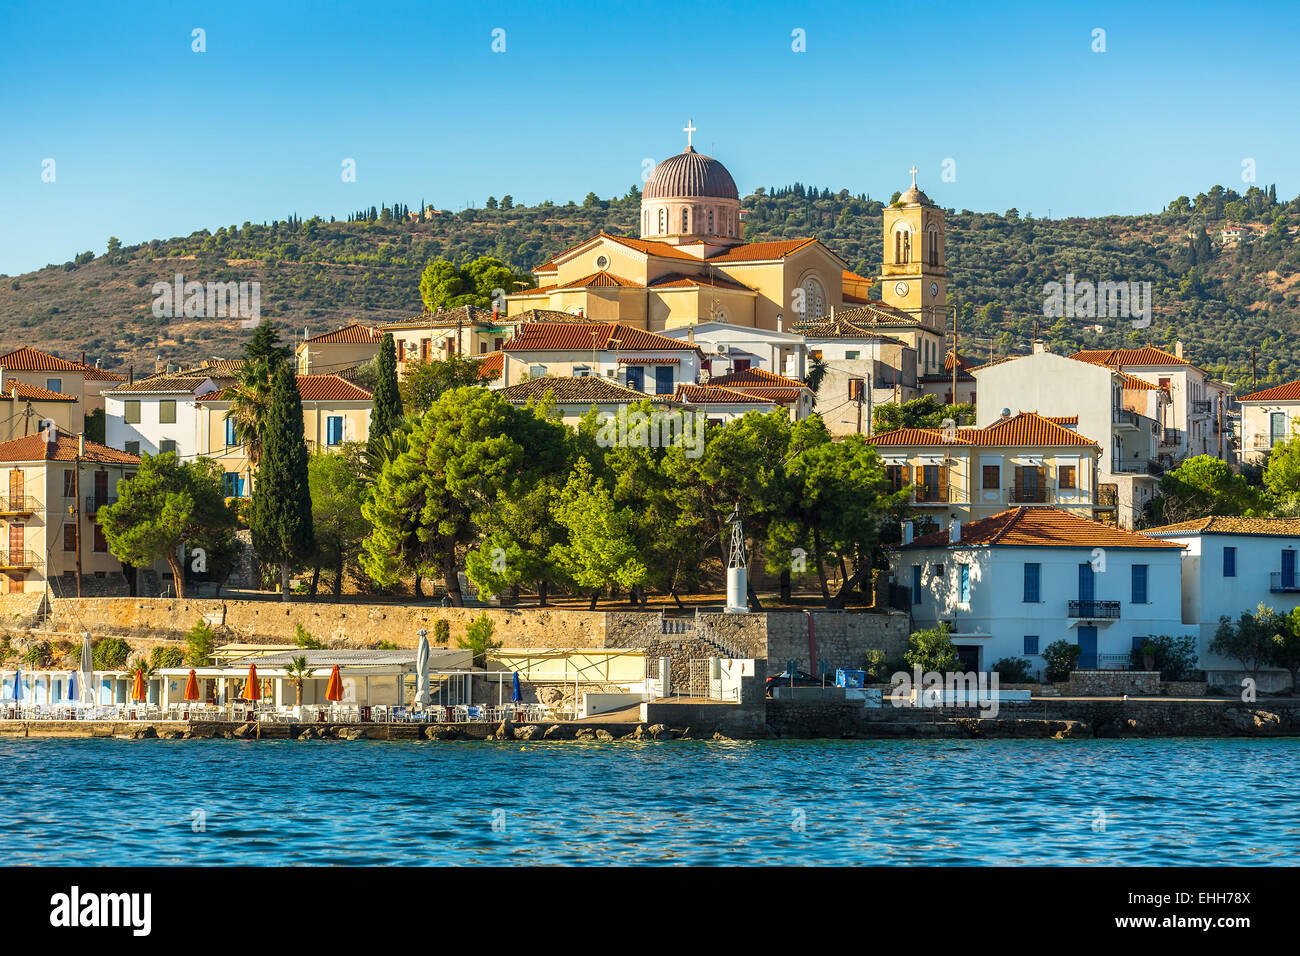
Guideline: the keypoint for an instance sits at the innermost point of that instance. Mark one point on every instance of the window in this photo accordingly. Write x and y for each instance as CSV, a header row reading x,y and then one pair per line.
x,y
334,430
54,384
814,299
1229,562
1066,476
167,412
1139,584
482,348
963,583
167,445
131,411
69,483
897,476
1033,581
857,390
711,222
850,356
685,221
1031,643
234,484
938,570
664,380
902,246
992,477
916,584
101,543
230,432
1138,641
934,246
663,220
69,537
132,448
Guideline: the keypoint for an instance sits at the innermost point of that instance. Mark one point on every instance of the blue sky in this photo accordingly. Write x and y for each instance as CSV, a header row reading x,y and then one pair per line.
x,y
151,139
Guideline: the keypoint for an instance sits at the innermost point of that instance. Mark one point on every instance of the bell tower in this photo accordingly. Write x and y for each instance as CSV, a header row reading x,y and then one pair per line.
x,y
914,274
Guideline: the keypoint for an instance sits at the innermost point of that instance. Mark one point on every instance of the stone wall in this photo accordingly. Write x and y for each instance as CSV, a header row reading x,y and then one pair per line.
x,y
842,638
1112,684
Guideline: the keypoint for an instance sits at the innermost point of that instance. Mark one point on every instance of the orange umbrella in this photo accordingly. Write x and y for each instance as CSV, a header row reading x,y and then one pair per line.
x,y
334,690
253,688
192,687
137,689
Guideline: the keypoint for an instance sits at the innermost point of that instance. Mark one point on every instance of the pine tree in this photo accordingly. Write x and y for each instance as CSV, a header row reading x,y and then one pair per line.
x,y
265,346
281,519
387,410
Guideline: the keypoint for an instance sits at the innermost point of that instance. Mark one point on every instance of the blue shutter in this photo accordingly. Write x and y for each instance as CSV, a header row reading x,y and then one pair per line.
x,y
1031,643
1229,562
963,583
663,380
334,429
1086,589
1032,580
230,432
916,584
1139,584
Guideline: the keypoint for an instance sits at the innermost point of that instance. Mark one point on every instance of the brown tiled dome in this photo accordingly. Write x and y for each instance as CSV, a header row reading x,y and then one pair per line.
x,y
690,175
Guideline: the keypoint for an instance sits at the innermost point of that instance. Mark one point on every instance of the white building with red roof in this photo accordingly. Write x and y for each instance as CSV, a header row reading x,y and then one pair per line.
x,y
1268,417
1011,584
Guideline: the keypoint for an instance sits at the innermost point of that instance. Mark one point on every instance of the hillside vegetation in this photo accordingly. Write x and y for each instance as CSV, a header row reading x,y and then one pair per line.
x,y
1219,299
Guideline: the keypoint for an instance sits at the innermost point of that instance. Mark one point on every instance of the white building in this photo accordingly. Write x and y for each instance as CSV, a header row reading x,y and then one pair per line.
x,y
1014,583
160,413
646,361
734,348
1268,417
1231,566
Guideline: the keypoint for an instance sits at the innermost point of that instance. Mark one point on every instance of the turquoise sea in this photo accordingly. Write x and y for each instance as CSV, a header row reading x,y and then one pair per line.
x,y
220,802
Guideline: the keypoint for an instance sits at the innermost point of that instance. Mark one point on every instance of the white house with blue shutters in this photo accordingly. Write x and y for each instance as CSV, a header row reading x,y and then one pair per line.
x,y
1011,584
1230,566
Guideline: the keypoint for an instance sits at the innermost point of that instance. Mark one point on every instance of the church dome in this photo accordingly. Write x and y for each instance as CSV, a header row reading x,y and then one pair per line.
x,y
690,175
915,196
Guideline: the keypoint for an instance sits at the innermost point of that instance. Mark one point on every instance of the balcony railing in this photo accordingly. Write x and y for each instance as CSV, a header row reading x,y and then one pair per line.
x,y
1172,436
95,502
18,504
1279,582
1261,442
19,558
936,495
1124,416
1101,610
1137,466
1201,406
1107,496
1029,496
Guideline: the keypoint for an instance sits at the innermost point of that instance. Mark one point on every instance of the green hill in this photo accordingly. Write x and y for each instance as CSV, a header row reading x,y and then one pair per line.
x,y
1218,299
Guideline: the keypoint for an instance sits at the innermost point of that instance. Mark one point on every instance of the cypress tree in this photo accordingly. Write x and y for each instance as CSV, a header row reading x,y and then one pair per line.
x,y
281,519
265,346
387,410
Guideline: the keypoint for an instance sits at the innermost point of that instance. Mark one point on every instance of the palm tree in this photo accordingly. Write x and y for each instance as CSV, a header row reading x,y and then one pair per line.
x,y
298,672
817,369
250,401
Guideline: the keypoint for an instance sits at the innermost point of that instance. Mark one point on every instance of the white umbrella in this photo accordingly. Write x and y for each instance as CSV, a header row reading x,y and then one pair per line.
x,y
422,671
87,687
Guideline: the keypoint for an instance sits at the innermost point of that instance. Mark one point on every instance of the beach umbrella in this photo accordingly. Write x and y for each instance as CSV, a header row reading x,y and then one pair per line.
x,y
517,695
18,685
137,687
72,685
422,672
334,690
252,688
192,686
87,669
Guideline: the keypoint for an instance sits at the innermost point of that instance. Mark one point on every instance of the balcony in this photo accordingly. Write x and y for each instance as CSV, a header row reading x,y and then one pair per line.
x,y
1124,417
18,559
937,495
1108,496
1094,610
1137,466
1261,442
95,502
1201,406
18,504
1029,496
1173,437
1280,582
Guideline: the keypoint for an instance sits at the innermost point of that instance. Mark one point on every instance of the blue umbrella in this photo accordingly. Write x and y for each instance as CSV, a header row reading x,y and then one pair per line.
x,y
72,685
18,685
516,696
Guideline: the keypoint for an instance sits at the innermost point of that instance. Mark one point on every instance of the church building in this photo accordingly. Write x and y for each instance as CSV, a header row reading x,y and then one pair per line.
x,y
691,264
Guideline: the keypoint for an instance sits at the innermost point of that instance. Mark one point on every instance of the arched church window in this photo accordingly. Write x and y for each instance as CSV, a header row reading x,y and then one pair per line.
x,y
814,299
933,241
902,247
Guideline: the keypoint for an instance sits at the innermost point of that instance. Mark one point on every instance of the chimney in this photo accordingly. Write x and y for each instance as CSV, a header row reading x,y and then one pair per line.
x,y
130,374
1178,348
2,379
780,321
690,334
1040,346
81,445
954,531
83,356
908,531
158,363
496,314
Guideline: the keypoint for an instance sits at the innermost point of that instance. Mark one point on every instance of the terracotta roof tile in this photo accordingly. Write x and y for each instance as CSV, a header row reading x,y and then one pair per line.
x,y
578,390
178,382
761,251
568,336
1040,527
1218,524
601,280
35,447
31,360
33,393
755,376
1289,392
679,280
1024,429
1116,358
354,334
489,365
446,318
717,395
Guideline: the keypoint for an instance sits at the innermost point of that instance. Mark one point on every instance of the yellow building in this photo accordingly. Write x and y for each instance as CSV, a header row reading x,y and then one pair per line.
x,y
335,411
51,493
337,351
25,409
971,473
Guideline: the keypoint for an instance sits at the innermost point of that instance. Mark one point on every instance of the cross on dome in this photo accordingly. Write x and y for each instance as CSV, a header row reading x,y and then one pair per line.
x,y
688,129
913,172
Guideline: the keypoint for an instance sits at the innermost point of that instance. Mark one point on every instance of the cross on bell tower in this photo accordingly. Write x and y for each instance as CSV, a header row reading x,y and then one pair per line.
x,y
688,129
913,172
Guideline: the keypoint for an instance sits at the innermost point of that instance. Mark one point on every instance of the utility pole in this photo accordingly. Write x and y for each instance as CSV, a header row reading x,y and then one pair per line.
x,y
76,503
956,311
27,419
1252,370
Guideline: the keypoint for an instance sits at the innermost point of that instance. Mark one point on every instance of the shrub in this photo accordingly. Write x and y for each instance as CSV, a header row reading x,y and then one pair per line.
x,y
110,654
37,655
302,637
200,642
441,631
874,665
1175,656
931,650
1061,658
478,638
1013,670
161,657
